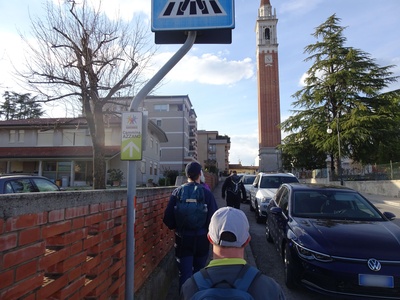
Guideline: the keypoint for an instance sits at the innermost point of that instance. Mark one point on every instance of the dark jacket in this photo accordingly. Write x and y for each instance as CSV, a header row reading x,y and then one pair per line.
x,y
228,188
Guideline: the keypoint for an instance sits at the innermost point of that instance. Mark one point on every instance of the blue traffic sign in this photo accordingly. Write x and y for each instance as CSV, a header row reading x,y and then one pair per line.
x,y
168,15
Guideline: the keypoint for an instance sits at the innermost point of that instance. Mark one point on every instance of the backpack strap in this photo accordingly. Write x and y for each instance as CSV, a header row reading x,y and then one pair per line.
x,y
242,282
246,277
202,279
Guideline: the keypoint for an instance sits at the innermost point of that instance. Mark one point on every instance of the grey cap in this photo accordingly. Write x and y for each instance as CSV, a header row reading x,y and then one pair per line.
x,y
229,227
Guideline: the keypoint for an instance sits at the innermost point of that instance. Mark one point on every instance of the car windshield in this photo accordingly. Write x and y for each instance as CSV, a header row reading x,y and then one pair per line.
x,y
274,182
248,179
332,205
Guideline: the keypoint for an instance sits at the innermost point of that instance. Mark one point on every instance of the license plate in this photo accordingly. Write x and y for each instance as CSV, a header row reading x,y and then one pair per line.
x,y
376,280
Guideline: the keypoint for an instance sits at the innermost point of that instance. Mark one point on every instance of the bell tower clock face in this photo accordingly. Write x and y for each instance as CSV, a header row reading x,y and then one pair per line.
x,y
268,59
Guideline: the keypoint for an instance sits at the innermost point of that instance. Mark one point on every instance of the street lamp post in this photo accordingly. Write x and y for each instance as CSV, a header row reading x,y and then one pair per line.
x,y
329,131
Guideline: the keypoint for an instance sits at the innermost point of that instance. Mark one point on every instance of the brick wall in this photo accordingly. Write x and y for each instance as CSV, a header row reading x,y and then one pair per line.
x,y
71,245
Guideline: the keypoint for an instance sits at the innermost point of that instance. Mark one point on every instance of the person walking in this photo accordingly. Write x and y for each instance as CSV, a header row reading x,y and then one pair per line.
x,y
228,273
189,212
234,190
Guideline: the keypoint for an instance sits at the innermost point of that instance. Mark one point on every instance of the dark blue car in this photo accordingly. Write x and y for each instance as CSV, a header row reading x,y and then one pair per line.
x,y
334,241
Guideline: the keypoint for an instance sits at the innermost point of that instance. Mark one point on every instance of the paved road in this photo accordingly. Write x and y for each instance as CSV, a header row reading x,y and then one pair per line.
x,y
263,254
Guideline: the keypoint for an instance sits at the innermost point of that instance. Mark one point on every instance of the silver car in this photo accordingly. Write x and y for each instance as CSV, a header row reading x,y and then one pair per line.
x,y
263,189
10,184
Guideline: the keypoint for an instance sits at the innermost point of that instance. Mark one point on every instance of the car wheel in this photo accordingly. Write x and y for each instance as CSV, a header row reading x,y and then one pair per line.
x,y
290,269
259,219
268,234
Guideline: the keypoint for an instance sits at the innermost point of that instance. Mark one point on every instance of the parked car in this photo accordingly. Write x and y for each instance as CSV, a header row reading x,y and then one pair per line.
x,y
263,189
248,180
18,183
334,241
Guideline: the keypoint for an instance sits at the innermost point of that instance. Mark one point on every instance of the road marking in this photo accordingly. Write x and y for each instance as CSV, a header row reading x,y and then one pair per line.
x,y
393,203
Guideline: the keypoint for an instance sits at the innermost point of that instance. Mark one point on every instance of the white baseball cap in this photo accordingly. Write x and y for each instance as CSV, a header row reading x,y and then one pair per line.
x,y
229,227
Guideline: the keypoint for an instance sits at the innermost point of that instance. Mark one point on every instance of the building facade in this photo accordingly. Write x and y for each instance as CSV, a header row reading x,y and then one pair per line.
x,y
268,88
61,149
213,151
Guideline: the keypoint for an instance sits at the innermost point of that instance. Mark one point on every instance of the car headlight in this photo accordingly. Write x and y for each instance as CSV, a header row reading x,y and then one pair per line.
x,y
312,255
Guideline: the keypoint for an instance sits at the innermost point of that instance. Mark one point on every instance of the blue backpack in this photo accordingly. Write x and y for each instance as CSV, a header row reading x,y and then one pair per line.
x,y
208,290
190,209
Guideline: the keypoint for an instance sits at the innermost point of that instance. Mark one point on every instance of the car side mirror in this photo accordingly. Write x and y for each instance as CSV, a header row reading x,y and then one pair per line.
x,y
276,210
389,215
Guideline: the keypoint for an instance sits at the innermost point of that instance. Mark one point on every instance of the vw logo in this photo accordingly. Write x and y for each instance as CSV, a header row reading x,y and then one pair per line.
x,y
374,264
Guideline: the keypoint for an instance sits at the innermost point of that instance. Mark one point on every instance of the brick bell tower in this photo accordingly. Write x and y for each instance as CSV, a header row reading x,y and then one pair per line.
x,y
269,135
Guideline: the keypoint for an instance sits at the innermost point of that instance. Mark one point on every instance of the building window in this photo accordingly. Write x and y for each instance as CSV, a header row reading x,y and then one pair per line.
x,y
112,138
45,138
155,169
151,143
17,136
159,123
161,107
74,137
267,33
143,167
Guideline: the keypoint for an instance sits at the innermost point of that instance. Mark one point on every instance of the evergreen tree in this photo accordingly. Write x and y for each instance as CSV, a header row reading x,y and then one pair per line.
x,y
20,106
341,96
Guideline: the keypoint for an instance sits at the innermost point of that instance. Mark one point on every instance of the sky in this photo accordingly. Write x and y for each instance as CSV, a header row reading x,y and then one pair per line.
x,y
221,79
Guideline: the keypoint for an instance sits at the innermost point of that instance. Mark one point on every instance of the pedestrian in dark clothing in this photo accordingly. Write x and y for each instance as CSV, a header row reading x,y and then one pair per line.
x,y
191,243
234,190
229,235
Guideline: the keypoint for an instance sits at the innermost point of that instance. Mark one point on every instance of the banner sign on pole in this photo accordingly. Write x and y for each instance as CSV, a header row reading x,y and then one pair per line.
x,y
131,143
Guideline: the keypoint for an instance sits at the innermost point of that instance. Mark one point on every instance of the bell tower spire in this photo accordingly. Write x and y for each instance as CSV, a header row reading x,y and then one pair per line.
x,y
268,88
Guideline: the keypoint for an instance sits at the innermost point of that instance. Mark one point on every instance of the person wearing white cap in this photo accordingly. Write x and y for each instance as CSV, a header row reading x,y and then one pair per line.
x,y
229,234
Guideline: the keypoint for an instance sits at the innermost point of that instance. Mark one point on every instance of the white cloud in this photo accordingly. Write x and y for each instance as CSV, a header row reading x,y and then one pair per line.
x,y
244,148
207,69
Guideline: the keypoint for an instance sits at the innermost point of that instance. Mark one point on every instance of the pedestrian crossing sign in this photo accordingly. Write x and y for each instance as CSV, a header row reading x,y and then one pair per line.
x,y
169,15
131,129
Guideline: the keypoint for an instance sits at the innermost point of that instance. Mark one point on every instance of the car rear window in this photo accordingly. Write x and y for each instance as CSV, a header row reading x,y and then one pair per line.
x,y
274,182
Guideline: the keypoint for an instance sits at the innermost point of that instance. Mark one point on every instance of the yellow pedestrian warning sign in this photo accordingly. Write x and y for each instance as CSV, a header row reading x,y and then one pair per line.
x,y
131,142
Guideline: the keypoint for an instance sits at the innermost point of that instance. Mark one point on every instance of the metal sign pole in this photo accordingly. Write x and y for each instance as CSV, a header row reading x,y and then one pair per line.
x,y
131,193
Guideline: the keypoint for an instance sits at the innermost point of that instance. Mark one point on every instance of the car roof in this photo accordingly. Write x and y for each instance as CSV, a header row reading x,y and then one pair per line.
x,y
3,176
313,186
277,174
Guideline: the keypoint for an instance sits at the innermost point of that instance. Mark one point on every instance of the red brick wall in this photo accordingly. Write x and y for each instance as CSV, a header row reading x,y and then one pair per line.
x,y
211,180
78,251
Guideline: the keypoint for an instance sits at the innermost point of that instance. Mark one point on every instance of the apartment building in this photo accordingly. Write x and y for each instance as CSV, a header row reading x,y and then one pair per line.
x,y
213,151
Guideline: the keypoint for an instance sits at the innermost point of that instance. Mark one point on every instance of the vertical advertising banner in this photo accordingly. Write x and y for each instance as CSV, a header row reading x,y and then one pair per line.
x,y
131,142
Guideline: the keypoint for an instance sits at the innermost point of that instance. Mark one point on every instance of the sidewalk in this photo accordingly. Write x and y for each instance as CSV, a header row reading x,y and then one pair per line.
x,y
173,291
383,199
